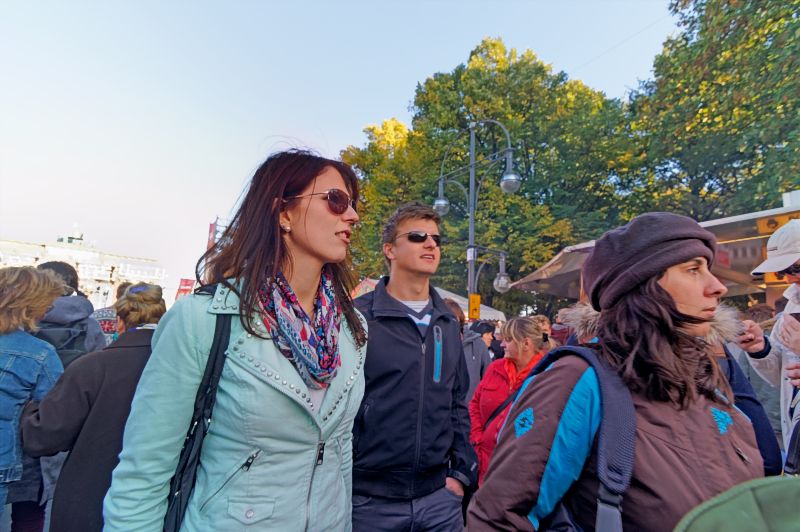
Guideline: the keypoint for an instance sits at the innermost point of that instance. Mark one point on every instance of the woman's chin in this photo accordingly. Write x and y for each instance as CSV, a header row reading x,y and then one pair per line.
x,y
700,330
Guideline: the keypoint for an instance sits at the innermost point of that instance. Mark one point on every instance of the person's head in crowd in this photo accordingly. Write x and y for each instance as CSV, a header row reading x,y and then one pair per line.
x,y
411,240
759,313
66,272
498,330
652,284
141,304
524,338
457,312
25,296
783,254
123,286
780,304
485,330
298,207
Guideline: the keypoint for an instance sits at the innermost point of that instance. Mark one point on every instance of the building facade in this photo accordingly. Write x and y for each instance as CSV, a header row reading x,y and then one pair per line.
x,y
100,272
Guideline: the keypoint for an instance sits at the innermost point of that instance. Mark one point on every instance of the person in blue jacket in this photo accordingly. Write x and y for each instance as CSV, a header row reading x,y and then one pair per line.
x,y
29,367
278,454
413,459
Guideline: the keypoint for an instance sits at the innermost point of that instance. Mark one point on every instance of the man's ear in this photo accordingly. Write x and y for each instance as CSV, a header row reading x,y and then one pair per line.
x,y
388,251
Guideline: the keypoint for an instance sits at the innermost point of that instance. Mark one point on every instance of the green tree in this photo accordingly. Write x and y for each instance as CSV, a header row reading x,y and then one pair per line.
x,y
721,120
573,145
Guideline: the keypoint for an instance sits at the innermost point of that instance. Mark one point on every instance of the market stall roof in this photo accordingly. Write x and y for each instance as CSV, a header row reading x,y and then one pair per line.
x,y
741,240
487,313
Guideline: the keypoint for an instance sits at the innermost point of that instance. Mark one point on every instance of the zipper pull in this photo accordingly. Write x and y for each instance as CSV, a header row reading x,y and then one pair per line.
x,y
250,460
320,452
741,454
423,350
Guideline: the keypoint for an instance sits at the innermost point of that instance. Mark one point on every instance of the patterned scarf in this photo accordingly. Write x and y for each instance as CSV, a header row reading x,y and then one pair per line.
x,y
313,348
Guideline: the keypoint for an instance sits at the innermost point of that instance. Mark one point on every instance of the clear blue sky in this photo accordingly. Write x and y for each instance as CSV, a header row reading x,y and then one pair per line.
x,y
142,121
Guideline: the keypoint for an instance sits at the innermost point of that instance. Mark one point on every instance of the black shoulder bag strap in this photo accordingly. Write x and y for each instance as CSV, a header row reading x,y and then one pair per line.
x,y
616,442
792,465
182,484
500,408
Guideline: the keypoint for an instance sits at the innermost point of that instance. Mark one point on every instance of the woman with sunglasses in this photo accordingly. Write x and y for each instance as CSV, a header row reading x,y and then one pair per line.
x,y
278,454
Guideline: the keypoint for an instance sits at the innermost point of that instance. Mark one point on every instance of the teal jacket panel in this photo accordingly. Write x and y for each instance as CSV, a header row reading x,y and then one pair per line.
x,y
269,460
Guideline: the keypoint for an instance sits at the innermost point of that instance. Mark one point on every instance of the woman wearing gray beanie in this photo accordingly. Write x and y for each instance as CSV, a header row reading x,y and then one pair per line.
x,y
651,282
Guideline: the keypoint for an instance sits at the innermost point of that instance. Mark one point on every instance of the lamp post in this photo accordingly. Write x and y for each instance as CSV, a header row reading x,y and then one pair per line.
x,y
502,282
509,183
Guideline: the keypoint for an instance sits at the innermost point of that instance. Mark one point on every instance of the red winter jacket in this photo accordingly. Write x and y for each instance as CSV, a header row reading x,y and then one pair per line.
x,y
494,388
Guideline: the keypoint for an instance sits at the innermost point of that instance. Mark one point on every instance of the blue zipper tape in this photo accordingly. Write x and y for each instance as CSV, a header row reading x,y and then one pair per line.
x,y
437,361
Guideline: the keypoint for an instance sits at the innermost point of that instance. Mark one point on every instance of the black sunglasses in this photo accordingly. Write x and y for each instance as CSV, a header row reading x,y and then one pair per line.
x,y
794,269
338,200
418,237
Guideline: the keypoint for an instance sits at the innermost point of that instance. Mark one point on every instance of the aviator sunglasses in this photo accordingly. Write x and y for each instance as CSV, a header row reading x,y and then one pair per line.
x,y
794,269
338,200
418,237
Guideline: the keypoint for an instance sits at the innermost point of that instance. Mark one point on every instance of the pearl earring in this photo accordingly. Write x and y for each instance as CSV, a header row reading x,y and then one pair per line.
x,y
286,228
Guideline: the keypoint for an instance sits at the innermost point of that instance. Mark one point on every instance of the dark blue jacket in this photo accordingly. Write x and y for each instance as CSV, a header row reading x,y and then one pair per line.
x,y
412,430
746,401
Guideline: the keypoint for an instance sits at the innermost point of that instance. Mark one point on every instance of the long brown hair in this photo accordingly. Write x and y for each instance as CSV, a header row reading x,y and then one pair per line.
x,y
251,249
643,336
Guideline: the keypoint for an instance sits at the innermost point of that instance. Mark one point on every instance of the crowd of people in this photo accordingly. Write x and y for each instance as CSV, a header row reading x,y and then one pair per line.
x,y
390,412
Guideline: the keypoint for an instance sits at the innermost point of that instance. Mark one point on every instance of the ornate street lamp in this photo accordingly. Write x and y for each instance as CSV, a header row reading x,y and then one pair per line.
x,y
509,183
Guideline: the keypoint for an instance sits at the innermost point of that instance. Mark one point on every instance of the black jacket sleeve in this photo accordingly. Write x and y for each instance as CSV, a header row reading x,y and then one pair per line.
x,y
463,460
53,425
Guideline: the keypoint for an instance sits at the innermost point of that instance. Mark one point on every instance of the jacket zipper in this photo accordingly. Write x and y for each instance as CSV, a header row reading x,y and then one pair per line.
x,y
318,459
417,449
245,467
437,362
741,454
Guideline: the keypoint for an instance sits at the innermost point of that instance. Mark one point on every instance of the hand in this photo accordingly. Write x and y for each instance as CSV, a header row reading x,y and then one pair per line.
x,y
789,335
457,487
752,339
793,373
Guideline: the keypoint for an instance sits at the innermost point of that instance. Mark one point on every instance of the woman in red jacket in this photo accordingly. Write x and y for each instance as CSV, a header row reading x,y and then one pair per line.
x,y
525,341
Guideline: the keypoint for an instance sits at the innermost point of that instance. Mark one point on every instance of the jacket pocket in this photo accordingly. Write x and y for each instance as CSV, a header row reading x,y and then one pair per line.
x,y
249,512
243,467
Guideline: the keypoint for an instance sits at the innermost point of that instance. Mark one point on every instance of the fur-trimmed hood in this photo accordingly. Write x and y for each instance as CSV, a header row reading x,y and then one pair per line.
x,y
583,320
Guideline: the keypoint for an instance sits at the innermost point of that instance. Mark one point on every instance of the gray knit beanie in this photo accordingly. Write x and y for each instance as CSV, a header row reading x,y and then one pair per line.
x,y
627,256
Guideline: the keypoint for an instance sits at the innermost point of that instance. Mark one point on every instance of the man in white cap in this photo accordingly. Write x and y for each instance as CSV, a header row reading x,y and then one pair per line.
x,y
781,365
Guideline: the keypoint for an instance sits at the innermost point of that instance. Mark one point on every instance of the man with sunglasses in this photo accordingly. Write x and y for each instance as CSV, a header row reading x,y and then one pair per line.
x,y
412,456
780,366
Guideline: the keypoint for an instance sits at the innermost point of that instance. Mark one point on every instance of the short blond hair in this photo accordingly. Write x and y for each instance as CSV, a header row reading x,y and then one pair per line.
x,y
517,329
142,303
25,295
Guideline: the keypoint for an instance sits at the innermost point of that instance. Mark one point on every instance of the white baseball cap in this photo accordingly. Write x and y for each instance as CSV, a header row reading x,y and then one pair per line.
x,y
783,249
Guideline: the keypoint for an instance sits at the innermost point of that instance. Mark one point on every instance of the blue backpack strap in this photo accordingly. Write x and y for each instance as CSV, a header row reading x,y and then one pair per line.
x,y
615,449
